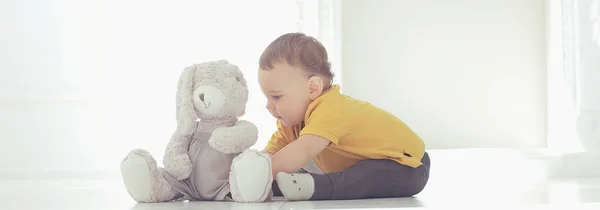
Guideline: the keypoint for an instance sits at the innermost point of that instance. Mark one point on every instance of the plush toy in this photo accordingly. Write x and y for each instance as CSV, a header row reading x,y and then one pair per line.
x,y
208,156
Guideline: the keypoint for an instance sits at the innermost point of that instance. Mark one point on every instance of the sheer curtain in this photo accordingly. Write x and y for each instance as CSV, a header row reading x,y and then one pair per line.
x,y
84,82
574,76
573,86
588,64
562,79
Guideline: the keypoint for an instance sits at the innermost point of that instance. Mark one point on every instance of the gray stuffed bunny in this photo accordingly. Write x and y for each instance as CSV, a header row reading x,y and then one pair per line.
x,y
209,138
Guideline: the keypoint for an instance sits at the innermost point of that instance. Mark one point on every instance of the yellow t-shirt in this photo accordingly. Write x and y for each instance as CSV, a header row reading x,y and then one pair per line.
x,y
357,131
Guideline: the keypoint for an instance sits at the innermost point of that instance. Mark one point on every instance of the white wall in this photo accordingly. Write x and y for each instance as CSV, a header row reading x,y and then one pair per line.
x,y
464,73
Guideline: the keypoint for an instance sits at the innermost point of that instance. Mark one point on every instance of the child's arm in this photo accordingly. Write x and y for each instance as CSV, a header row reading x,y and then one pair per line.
x,y
298,153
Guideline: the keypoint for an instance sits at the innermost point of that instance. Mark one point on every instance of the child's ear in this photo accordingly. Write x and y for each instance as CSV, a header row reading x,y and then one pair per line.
x,y
315,87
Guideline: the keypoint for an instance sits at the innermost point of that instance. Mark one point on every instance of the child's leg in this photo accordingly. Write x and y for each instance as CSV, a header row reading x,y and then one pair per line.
x,y
367,179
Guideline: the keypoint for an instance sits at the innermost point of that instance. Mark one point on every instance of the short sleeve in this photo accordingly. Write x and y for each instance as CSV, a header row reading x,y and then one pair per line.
x,y
278,140
327,123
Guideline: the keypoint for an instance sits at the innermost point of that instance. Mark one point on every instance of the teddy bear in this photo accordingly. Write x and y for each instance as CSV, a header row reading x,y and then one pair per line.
x,y
208,157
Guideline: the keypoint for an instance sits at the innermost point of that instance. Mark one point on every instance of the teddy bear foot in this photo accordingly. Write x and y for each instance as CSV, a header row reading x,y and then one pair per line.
x,y
251,178
143,179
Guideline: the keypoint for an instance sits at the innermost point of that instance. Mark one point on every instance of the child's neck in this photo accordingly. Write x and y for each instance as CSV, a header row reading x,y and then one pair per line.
x,y
326,88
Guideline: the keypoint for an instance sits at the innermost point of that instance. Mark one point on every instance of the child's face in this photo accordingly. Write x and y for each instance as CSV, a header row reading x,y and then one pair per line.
x,y
287,93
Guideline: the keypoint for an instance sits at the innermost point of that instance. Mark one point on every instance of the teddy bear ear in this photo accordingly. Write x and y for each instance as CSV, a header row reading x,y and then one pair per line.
x,y
185,111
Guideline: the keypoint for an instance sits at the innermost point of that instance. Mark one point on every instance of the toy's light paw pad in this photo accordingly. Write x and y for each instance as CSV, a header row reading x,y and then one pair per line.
x,y
253,180
137,177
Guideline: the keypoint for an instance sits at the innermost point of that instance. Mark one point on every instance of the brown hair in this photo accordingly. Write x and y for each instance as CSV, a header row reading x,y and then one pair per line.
x,y
300,50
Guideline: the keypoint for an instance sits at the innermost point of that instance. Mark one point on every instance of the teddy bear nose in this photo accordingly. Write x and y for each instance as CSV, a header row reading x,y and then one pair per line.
x,y
201,96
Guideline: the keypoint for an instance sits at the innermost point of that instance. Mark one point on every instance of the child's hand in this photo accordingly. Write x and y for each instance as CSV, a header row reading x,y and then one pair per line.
x,y
298,153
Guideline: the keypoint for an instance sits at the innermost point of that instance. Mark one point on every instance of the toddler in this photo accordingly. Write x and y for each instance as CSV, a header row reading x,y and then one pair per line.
x,y
364,151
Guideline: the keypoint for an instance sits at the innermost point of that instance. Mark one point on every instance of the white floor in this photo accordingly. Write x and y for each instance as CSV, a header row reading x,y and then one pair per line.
x,y
482,178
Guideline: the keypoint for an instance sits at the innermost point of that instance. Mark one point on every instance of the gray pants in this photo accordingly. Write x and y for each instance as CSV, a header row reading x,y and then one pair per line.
x,y
370,179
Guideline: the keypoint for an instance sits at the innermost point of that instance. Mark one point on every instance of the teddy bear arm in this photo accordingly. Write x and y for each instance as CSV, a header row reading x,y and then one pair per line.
x,y
234,139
